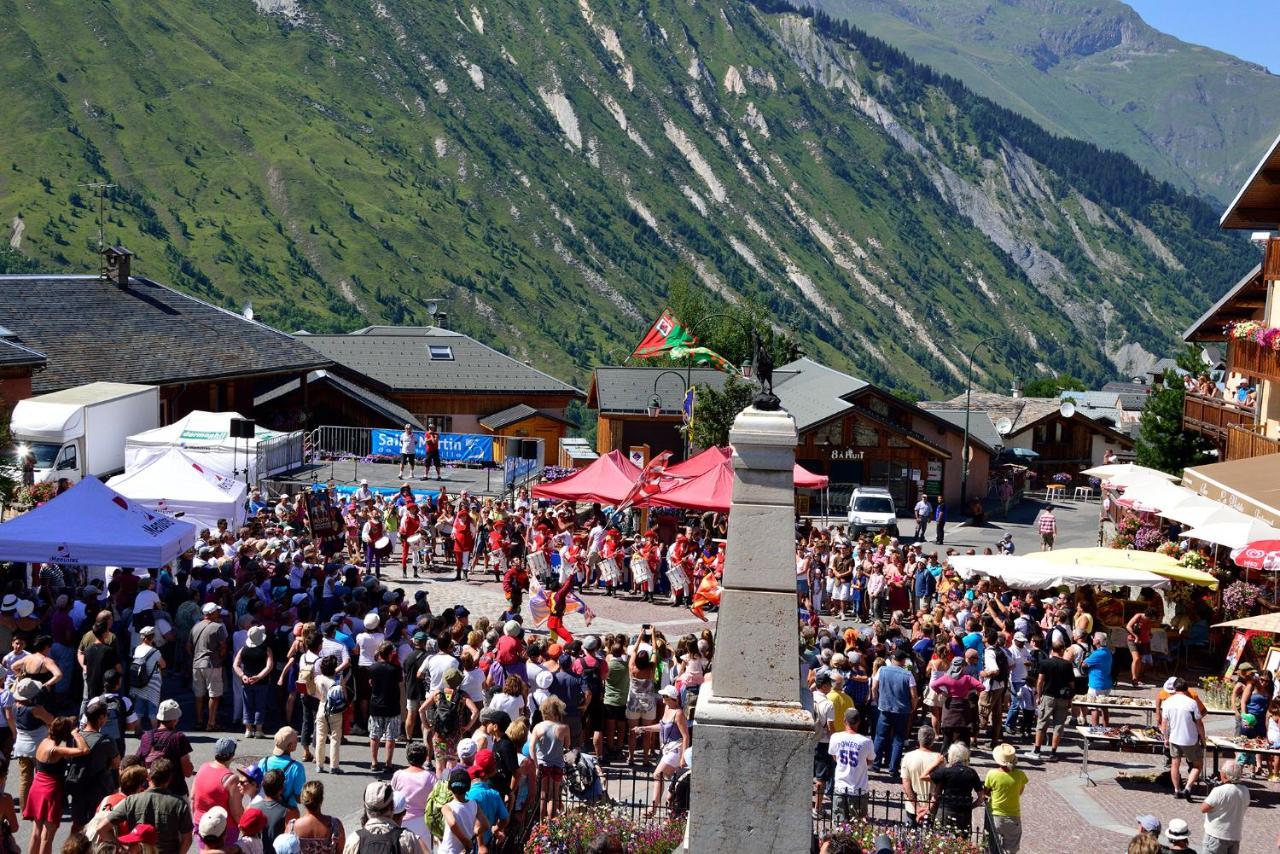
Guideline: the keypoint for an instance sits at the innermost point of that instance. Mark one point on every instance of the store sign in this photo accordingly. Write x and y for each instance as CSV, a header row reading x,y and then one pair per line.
x,y
845,454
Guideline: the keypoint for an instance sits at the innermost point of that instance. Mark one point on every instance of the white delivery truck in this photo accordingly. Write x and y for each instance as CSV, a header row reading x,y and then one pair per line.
x,y
80,432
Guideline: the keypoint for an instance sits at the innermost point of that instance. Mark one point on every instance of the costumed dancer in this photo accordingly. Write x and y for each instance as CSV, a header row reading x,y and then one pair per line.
x,y
499,546
515,581
369,535
464,542
679,565
540,552
709,588
643,561
572,562
550,607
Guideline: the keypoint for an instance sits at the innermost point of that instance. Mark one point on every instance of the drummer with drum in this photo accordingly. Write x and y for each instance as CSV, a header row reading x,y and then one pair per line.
x,y
680,559
377,544
410,537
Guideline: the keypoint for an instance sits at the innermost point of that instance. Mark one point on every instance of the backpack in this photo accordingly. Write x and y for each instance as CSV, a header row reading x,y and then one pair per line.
x,y
1002,664
591,676
335,699
433,813
680,785
378,842
115,717
445,713
80,770
142,669
581,778
157,748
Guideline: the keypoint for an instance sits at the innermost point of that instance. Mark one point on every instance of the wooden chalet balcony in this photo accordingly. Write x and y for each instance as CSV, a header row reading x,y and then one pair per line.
x,y
1253,360
1245,442
1213,417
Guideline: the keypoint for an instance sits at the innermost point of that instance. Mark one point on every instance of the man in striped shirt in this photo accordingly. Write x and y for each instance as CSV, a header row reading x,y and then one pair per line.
x,y
1048,528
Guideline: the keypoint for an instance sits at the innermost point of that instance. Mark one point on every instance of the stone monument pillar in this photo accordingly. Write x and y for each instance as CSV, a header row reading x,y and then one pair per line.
x,y
753,743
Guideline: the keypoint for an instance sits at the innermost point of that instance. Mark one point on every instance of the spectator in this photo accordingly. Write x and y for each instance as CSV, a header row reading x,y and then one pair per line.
x,y
1224,810
1005,784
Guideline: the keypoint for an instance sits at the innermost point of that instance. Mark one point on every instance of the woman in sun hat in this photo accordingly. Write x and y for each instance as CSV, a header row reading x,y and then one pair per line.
x,y
1005,784
31,721
253,666
673,736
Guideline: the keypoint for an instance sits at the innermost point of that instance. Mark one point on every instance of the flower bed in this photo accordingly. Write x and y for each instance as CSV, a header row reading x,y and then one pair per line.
x,y
906,840
1256,332
574,831
1241,599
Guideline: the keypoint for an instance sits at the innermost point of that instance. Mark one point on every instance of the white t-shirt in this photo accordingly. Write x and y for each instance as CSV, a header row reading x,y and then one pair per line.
x,y
146,600
436,667
406,442
367,644
1181,713
1018,656
331,647
1226,819
989,663
464,814
853,754
507,703
824,715
473,685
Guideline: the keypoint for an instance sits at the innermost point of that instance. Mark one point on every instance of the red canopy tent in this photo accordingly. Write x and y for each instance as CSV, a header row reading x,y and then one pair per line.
x,y
607,480
713,489
699,463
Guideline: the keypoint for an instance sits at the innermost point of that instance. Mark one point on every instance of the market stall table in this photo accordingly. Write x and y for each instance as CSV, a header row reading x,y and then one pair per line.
x,y
1236,744
1144,740
1129,704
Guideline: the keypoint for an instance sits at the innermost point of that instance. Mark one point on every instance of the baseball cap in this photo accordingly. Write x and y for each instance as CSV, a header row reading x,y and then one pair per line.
x,y
671,692
459,780
209,608
1149,823
467,749
251,773
495,716
1019,637
378,796
484,765
213,822
146,833
252,821
147,630
1170,682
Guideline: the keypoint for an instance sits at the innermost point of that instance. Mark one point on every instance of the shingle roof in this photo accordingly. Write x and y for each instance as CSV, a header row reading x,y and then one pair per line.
x,y
626,390
812,392
398,358
90,329
514,414
394,412
1133,396
13,354
1021,411
981,430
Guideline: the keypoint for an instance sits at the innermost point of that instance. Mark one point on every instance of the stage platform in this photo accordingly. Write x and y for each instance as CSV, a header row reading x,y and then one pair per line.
x,y
384,477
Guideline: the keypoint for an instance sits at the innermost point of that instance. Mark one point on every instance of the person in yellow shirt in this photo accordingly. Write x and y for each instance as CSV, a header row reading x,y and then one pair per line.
x,y
1005,784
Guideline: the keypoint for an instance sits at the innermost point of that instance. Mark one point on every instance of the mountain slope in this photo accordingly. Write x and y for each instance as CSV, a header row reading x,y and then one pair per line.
x,y
545,168
1093,69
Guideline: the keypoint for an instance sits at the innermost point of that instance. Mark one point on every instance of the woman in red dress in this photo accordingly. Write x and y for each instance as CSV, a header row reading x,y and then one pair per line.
x,y
46,799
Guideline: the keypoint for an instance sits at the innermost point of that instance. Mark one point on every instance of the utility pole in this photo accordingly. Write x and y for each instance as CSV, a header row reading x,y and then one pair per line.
x,y
101,189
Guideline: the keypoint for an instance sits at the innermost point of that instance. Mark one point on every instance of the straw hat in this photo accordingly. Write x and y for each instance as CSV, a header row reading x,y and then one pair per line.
x,y
1005,755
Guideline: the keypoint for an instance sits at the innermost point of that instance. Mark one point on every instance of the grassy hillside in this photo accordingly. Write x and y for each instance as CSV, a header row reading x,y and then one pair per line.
x,y
545,168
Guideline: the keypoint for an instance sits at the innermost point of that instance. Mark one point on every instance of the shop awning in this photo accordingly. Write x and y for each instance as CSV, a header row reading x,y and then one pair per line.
x,y
1251,486
1032,572
1260,623
1162,565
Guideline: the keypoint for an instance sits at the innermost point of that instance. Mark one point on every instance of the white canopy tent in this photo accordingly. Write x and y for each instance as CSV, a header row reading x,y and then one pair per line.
x,y
1121,474
1232,529
1029,572
175,482
92,525
1155,495
206,437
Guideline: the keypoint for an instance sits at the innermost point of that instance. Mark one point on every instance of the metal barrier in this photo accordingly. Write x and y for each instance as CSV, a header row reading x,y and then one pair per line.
x,y
891,811
285,452
328,443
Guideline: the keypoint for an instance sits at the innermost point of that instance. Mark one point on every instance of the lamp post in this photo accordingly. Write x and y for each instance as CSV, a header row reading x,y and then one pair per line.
x,y
655,403
968,397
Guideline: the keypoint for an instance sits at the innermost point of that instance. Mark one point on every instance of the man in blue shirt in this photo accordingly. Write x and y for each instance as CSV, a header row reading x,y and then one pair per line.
x,y
894,693
973,640
491,803
925,584
1097,665
295,773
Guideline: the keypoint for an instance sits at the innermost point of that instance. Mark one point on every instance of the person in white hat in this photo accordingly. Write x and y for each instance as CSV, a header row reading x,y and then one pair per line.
x,y
146,676
253,665
367,643
673,736
208,650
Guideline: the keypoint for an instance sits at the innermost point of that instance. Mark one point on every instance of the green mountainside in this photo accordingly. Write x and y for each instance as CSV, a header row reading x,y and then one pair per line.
x,y
1093,69
548,169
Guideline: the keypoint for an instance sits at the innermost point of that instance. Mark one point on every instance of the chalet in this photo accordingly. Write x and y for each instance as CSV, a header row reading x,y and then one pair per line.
x,y
627,415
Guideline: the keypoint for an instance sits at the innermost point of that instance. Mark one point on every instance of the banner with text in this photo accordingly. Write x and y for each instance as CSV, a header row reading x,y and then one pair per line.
x,y
454,447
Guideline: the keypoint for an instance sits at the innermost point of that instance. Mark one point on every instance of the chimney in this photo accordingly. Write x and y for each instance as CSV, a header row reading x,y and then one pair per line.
x,y
116,261
440,320
1017,389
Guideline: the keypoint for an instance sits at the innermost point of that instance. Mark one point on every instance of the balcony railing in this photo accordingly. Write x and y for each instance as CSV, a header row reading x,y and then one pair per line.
x,y
1213,417
1245,442
1253,360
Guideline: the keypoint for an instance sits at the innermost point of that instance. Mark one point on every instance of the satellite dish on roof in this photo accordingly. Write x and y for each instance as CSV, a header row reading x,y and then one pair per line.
x,y
1004,426
1067,409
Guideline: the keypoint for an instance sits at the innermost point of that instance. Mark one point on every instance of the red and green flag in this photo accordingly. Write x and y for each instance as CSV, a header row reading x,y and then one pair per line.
x,y
667,332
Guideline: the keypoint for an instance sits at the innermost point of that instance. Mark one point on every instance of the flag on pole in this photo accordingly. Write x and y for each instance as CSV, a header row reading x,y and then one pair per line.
x,y
667,332
703,356
687,407
649,481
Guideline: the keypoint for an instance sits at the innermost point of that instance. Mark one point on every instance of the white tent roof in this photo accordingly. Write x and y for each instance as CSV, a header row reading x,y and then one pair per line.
x,y
1122,473
1233,531
175,482
91,524
203,435
1028,572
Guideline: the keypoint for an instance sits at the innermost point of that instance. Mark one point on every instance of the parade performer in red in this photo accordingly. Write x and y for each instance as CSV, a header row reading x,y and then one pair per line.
x,y
610,567
551,607
540,552
499,548
464,541
679,567
410,524
515,581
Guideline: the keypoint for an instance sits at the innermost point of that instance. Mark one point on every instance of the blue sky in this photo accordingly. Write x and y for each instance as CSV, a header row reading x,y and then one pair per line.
x,y
1235,26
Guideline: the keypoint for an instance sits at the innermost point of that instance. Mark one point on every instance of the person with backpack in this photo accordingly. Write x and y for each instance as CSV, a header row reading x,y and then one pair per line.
x,y
465,822
281,759
120,714
333,700
92,777
166,741
379,833
449,713
146,676
995,687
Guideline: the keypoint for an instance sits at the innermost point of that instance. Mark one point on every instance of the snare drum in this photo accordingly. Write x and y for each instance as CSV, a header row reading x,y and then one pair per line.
x,y
676,575
416,539
609,572
640,569
382,546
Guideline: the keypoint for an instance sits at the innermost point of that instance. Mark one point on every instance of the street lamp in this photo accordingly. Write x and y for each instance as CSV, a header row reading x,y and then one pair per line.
x,y
968,397
655,403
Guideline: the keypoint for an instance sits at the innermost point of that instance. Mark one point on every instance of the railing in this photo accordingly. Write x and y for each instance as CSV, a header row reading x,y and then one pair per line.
x,y
1246,442
890,809
1213,417
283,453
1254,360
994,844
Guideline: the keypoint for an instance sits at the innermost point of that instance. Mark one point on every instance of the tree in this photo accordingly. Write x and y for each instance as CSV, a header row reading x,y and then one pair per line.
x,y
1050,386
714,411
1162,443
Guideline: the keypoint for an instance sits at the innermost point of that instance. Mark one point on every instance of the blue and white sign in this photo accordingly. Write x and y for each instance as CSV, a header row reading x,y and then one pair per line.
x,y
515,468
454,447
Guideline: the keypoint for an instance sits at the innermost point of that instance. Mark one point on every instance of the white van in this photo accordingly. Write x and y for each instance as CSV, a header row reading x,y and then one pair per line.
x,y
870,510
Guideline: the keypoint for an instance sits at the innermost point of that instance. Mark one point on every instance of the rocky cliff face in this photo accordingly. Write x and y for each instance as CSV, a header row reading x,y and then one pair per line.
x,y
547,168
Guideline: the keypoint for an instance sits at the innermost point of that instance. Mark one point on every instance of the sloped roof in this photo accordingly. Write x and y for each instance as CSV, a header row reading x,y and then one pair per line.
x,y
394,412
1021,411
624,390
1242,301
981,431
398,358
13,354
91,329
1133,396
515,414
812,392
1257,204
